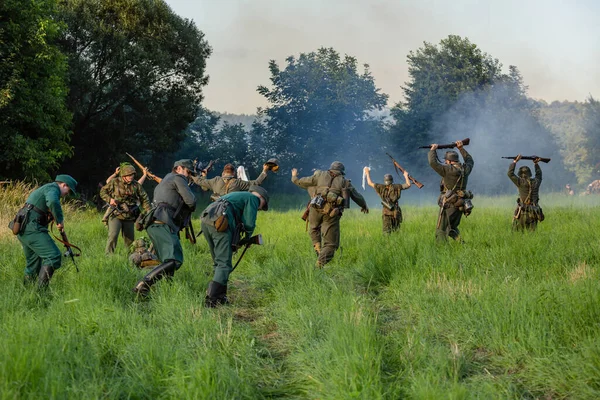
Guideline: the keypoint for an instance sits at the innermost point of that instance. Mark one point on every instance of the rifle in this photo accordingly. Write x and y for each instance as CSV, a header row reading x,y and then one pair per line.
x,y
410,178
449,145
150,174
68,246
198,167
256,239
542,159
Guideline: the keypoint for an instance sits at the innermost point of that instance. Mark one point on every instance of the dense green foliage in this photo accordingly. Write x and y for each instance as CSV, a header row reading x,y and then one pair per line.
x,y
136,72
318,109
34,121
505,315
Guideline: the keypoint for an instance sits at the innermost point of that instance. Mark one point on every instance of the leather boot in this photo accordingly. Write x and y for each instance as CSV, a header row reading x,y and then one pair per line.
x,y
163,270
45,275
216,294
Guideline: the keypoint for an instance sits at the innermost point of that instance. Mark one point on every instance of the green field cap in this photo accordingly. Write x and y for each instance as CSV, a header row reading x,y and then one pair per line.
x,y
68,179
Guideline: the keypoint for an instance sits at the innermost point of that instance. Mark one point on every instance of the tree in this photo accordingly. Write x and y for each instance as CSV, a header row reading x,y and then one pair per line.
x,y
318,110
34,121
591,125
136,72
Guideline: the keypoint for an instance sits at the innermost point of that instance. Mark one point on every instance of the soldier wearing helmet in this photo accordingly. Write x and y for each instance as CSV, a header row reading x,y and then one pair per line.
x,y
453,190
528,211
228,182
332,193
125,196
389,194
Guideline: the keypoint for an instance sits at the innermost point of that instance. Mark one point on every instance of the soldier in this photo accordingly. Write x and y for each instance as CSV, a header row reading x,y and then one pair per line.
x,y
389,194
227,182
528,212
123,195
141,256
454,198
174,202
41,207
241,210
332,192
109,210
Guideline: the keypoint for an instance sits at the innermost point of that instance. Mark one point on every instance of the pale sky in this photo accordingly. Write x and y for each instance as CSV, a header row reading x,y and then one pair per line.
x,y
555,44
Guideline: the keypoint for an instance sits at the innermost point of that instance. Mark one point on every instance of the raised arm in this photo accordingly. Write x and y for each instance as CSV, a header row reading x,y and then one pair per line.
x,y
367,172
511,171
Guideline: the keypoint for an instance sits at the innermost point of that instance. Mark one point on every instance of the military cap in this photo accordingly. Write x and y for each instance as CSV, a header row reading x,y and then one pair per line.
x,y
185,163
262,192
338,166
451,156
68,179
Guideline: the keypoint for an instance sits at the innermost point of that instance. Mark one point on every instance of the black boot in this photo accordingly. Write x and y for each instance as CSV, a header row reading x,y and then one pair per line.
x,y
29,280
163,270
216,294
44,276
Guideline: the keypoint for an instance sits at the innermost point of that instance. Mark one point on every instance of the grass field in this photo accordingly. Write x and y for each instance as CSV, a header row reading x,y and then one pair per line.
x,y
505,315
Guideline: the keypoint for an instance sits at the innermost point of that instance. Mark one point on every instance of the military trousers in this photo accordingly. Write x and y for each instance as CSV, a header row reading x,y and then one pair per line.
x,y
39,248
221,252
166,243
448,222
524,219
117,226
391,221
324,230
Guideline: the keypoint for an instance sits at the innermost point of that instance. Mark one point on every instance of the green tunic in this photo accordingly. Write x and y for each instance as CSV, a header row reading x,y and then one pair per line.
x,y
528,212
130,198
325,222
38,246
243,210
220,186
454,178
391,212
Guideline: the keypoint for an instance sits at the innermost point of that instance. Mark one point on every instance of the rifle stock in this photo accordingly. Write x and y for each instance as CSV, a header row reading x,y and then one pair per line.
x,y
69,252
410,178
542,159
150,174
465,142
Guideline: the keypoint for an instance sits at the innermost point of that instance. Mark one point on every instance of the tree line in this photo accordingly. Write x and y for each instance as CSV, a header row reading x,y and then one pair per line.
x,y
82,82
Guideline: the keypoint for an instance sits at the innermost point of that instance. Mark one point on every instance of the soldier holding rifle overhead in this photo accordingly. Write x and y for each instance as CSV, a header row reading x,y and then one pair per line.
x,y
528,212
454,199
389,194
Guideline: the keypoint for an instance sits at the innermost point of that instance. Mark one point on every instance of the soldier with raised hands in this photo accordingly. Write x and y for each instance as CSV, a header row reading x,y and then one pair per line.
x,y
332,194
454,199
389,194
31,227
173,203
228,182
528,212
125,196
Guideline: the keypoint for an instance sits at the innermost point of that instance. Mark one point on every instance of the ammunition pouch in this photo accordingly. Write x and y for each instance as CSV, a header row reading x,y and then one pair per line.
x,y
532,211
317,202
215,215
17,225
144,220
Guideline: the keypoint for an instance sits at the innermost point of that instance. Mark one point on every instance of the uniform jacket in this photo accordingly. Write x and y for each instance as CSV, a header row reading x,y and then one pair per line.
x,y
453,176
390,193
46,198
323,182
529,188
126,193
172,194
243,208
220,186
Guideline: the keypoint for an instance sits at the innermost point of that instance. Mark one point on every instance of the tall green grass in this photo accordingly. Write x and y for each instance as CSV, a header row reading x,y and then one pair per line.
x,y
504,315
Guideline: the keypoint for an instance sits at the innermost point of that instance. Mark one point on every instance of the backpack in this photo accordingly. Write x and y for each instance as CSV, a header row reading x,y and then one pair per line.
x,y
215,215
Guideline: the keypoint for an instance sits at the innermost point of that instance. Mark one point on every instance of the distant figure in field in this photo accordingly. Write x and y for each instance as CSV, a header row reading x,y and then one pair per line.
x,y
332,191
42,207
389,194
125,196
593,188
528,212
454,199
228,182
569,190
174,202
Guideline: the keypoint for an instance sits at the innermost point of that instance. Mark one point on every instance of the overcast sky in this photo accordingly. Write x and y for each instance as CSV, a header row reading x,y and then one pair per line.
x,y
555,44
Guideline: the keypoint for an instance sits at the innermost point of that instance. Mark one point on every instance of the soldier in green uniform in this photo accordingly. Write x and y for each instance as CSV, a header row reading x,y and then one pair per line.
x,y
389,194
454,199
125,196
528,212
241,210
173,203
42,206
227,182
332,193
